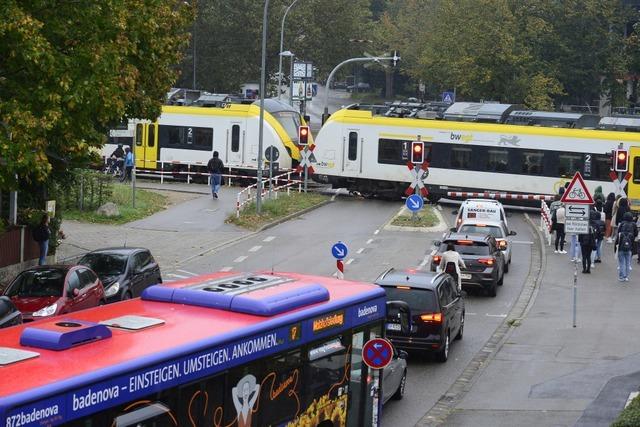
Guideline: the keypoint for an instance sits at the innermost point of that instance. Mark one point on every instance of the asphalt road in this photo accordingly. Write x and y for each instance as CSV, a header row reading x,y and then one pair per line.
x,y
304,245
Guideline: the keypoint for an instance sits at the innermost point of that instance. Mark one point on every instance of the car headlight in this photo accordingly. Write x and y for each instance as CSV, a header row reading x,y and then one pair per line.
x,y
47,311
112,290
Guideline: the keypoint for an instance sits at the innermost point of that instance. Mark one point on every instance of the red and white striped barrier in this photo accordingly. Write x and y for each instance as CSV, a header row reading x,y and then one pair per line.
x,y
545,221
247,194
496,195
340,272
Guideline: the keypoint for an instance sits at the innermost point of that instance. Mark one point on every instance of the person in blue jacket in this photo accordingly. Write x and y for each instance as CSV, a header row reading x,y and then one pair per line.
x,y
128,164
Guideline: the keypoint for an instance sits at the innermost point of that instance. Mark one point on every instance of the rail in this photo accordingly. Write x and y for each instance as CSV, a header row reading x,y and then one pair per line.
x,y
247,195
545,221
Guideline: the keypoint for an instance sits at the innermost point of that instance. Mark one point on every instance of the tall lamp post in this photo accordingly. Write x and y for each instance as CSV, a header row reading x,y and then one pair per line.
x,y
289,54
281,45
263,67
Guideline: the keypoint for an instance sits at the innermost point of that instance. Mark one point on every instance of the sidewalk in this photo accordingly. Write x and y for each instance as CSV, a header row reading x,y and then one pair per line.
x,y
182,231
548,373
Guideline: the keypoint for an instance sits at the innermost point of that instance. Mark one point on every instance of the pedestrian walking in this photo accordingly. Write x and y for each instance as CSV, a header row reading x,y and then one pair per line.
x,y
597,218
451,256
627,233
42,234
587,244
215,167
560,220
128,164
608,216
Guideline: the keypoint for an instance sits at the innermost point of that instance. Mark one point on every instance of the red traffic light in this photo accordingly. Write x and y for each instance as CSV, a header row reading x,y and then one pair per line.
x,y
417,152
303,135
622,161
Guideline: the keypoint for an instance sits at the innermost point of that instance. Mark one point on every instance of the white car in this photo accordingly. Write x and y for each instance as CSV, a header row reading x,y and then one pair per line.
x,y
481,210
497,229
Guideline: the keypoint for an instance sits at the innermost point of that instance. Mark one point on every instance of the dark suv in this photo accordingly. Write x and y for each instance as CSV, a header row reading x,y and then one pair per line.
x,y
481,254
437,310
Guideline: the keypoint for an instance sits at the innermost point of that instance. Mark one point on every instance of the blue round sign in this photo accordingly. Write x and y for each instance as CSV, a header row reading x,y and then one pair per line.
x,y
414,203
377,353
339,250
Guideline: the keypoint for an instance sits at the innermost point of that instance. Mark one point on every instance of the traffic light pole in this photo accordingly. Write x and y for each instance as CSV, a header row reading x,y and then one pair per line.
x,y
262,90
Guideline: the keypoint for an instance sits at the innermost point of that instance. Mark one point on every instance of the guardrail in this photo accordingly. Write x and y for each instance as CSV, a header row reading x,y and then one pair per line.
x,y
545,221
248,194
498,195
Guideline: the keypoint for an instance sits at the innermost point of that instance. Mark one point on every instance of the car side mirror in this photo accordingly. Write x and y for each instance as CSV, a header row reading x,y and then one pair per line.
x,y
453,229
403,354
75,292
437,243
512,233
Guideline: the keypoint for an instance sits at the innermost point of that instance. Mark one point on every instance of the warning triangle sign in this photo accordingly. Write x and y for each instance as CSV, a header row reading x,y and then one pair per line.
x,y
577,192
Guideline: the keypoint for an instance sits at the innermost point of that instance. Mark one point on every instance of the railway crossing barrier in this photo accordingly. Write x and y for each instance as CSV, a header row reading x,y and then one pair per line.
x,y
498,195
545,221
248,194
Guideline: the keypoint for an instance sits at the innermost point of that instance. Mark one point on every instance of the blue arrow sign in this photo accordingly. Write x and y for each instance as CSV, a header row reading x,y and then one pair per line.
x,y
414,203
339,250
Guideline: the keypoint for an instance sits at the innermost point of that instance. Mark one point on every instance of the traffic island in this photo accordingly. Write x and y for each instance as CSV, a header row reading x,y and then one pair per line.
x,y
426,220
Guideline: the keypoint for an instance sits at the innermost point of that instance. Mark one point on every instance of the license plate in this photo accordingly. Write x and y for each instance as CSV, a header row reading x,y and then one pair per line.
x,y
465,276
393,326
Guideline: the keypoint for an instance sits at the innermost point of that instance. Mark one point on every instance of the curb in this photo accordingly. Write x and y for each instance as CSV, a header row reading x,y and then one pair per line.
x,y
441,226
438,414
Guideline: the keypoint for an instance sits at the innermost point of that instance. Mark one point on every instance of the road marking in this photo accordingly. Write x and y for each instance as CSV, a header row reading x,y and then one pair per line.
x,y
349,262
240,258
225,269
268,239
335,194
632,396
369,241
376,232
187,272
359,251
255,249
522,242
179,276
495,315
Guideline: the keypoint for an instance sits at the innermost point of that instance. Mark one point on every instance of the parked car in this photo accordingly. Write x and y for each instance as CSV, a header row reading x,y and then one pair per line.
x,y
437,310
9,314
125,272
485,262
50,290
361,87
497,229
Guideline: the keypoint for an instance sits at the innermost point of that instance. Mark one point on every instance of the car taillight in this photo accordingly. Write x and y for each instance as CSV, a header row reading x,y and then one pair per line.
x,y
502,244
431,317
487,261
437,258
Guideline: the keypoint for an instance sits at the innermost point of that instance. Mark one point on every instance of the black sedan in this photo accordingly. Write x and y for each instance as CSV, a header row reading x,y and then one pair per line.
x,y
125,272
437,310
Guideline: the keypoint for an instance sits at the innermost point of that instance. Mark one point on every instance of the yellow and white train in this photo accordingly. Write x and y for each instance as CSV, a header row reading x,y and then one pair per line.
x,y
368,153
188,135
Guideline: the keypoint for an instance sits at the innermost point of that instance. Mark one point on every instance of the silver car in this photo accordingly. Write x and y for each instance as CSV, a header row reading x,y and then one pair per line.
x,y
497,229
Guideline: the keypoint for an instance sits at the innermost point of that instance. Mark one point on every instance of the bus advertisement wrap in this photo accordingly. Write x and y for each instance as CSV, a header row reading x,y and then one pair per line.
x,y
101,395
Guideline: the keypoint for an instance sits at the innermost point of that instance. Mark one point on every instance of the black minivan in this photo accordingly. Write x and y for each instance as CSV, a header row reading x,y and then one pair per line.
x,y
437,310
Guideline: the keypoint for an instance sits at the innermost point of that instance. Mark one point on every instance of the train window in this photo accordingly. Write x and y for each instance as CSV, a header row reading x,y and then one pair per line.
x,y
601,166
393,151
151,141
235,138
353,146
170,135
461,158
204,138
532,163
497,160
636,170
139,134
569,164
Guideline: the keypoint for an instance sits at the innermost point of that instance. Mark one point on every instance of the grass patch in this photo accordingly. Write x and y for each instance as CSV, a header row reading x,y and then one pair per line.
x,y
426,217
275,209
147,203
630,416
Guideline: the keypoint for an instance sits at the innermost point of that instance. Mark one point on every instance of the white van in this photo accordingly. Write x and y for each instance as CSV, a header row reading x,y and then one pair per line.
x,y
479,210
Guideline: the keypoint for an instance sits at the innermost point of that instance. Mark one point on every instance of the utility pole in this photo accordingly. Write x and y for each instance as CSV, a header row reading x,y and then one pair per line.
x,y
281,46
262,89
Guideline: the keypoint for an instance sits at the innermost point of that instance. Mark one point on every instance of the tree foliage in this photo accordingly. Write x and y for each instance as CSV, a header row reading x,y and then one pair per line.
x,y
71,69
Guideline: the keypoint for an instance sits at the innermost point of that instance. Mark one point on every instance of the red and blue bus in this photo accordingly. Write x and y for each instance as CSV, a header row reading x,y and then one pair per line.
x,y
224,349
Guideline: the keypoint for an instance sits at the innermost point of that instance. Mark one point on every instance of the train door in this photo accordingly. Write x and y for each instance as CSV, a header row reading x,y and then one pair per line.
x,y
351,151
235,144
146,151
633,188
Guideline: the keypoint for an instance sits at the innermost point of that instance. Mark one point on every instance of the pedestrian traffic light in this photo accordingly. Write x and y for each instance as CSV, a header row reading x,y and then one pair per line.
x,y
303,135
622,161
417,152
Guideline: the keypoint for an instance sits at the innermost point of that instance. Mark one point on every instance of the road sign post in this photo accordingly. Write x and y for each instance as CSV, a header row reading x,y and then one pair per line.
x,y
339,251
414,203
306,159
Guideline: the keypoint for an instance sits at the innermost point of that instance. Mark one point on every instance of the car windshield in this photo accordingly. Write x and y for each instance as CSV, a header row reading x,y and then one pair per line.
x,y
467,247
419,300
105,264
38,283
491,230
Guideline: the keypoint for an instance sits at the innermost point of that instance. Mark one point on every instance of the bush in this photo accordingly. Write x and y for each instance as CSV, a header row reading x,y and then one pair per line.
x,y
87,190
630,416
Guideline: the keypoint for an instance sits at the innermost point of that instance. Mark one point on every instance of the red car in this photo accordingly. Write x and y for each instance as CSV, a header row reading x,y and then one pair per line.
x,y
50,290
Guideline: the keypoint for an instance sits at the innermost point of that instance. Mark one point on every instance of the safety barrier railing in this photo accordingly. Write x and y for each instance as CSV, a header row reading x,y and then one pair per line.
x,y
498,195
248,194
545,221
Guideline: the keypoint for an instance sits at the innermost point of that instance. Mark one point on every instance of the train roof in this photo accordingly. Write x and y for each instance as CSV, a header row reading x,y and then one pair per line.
x,y
478,111
170,320
273,105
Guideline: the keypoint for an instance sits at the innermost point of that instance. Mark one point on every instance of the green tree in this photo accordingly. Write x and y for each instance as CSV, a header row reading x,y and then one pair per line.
x,y
72,69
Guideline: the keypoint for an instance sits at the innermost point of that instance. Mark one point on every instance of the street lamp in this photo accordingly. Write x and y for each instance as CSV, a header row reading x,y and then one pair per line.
x,y
281,47
289,54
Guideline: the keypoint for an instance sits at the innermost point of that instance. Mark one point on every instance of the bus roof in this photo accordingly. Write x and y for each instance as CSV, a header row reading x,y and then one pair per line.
x,y
182,328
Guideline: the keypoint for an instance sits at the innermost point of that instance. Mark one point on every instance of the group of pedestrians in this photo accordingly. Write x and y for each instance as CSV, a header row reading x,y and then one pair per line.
x,y
610,220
